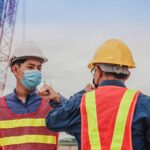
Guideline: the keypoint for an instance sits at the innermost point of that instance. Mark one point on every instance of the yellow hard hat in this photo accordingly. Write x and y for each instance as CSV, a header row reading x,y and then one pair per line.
x,y
113,52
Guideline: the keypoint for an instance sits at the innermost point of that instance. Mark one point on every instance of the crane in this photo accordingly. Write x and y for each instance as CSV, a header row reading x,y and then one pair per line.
x,y
8,10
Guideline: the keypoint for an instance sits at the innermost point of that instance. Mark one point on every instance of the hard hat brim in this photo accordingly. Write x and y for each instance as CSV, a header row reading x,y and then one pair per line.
x,y
14,59
92,63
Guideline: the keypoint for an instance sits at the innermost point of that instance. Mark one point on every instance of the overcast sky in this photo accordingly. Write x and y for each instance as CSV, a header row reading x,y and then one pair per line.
x,y
69,32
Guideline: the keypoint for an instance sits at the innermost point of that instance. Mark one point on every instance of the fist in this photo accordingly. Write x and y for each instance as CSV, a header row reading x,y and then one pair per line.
x,y
89,87
48,93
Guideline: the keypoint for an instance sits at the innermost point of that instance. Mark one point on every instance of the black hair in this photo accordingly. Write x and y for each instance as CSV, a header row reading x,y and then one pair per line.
x,y
18,62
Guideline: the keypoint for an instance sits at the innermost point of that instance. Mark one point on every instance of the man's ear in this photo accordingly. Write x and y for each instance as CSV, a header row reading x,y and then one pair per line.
x,y
15,69
99,71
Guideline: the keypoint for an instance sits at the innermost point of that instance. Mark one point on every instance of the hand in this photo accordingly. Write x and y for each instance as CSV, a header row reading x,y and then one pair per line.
x,y
48,93
89,87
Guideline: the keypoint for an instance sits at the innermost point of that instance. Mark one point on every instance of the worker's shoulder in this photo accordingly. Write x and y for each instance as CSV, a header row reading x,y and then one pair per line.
x,y
143,99
9,96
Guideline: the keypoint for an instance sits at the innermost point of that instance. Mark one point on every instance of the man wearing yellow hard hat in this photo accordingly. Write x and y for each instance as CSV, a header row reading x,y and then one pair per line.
x,y
111,117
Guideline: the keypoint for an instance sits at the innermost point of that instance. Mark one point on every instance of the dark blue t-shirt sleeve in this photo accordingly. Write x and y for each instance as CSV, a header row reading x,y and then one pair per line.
x,y
141,124
55,104
66,116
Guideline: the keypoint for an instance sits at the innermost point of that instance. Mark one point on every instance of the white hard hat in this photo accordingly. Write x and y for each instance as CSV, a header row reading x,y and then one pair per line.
x,y
27,50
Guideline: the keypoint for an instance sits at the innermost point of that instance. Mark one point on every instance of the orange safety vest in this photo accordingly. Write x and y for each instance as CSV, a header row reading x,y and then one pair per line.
x,y
26,131
106,115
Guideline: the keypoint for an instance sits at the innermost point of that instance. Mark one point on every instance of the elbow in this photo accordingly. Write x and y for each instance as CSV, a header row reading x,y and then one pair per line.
x,y
51,124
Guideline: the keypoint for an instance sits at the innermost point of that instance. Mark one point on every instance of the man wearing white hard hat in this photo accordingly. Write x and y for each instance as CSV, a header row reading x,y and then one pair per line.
x,y
22,124
111,117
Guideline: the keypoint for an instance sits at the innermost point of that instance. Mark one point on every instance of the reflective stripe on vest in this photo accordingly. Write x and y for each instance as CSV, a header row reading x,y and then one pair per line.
x,y
21,139
26,131
120,123
28,122
121,119
27,139
92,121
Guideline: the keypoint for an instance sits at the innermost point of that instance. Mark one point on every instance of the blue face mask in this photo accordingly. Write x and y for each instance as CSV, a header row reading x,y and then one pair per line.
x,y
31,79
